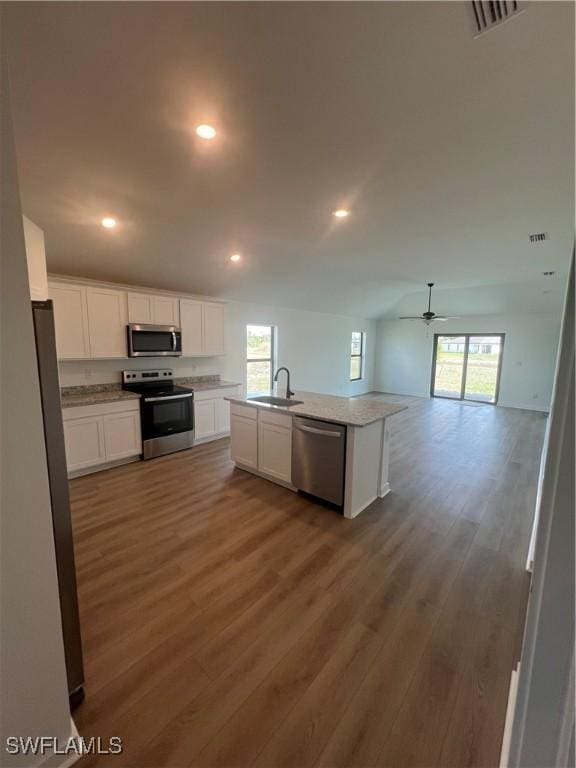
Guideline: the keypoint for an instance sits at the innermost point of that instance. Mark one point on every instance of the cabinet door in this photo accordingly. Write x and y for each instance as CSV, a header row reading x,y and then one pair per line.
x,y
140,308
213,329
70,321
122,435
165,311
204,418
84,440
222,416
244,441
191,324
275,451
107,322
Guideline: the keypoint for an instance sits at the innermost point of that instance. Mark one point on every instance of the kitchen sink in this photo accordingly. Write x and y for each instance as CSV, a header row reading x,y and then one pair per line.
x,y
270,400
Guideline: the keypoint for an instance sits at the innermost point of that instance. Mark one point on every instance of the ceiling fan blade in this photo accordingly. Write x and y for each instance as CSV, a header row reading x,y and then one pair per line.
x,y
411,318
447,317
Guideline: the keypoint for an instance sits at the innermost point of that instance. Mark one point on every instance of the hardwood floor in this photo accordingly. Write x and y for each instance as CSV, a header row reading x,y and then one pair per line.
x,y
229,622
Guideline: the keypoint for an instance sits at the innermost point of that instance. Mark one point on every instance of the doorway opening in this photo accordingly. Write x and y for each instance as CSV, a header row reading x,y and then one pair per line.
x,y
467,367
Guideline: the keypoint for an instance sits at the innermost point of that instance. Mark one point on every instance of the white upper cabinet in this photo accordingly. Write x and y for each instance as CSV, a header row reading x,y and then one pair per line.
x,y
107,320
91,320
140,308
70,320
149,309
202,324
191,322
213,329
166,310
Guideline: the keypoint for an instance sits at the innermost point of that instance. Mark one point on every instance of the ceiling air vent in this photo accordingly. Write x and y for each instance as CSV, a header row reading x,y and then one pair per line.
x,y
490,13
539,237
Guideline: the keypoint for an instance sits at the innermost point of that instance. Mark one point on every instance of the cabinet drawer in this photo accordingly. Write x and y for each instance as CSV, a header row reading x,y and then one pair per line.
x,y
100,409
278,419
247,411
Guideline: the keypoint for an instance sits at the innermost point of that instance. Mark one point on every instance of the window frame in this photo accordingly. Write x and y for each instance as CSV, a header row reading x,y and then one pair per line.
x,y
360,356
462,397
270,359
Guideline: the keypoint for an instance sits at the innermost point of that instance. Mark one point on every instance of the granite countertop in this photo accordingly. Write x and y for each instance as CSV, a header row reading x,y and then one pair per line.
x,y
200,386
351,411
93,394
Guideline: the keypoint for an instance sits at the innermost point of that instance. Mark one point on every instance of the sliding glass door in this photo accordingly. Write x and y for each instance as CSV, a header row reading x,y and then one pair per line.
x,y
467,367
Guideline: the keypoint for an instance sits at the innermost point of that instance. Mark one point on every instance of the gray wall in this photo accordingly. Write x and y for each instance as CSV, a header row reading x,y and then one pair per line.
x,y
33,689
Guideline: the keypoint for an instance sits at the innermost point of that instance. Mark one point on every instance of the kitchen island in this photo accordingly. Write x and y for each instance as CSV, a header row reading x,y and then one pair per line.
x,y
269,439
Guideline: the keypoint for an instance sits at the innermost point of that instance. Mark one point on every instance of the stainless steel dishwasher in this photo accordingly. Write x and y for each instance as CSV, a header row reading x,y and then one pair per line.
x,y
319,458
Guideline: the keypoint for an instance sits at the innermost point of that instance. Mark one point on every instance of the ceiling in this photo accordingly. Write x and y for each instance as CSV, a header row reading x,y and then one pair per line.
x,y
448,149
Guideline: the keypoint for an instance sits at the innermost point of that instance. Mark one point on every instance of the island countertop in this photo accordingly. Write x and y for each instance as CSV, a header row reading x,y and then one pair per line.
x,y
352,411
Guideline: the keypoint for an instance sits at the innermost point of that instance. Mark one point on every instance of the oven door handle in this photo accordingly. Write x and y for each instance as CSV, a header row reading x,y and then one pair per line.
x,y
167,397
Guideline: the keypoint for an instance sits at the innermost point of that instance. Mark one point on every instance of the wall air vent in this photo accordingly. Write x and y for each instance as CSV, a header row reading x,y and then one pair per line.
x,y
491,13
539,237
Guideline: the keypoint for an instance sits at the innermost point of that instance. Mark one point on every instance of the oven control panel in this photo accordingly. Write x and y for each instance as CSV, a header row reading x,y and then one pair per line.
x,y
159,374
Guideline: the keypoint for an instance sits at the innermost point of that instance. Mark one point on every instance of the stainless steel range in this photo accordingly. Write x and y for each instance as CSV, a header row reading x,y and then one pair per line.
x,y
166,411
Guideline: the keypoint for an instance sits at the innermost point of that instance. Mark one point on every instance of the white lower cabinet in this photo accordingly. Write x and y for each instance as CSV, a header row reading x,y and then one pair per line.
x,y
122,435
244,440
102,433
204,418
262,440
212,414
275,445
84,438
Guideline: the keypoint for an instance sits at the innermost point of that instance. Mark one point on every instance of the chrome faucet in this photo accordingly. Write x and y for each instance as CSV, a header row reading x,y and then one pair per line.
x,y
289,392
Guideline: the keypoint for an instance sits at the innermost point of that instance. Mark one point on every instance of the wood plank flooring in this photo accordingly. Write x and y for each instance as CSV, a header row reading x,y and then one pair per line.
x,y
229,622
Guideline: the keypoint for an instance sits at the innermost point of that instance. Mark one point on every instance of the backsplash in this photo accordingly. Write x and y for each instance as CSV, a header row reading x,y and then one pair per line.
x,y
77,373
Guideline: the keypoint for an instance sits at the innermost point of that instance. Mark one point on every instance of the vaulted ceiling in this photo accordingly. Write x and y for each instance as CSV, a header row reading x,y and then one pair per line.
x,y
449,150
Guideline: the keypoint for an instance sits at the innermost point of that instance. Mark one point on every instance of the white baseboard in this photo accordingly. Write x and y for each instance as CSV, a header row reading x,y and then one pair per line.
x,y
101,467
510,709
63,761
525,407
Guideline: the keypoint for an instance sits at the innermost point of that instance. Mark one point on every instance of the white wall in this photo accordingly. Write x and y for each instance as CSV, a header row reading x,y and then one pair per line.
x,y
543,720
33,687
315,347
36,258
404,355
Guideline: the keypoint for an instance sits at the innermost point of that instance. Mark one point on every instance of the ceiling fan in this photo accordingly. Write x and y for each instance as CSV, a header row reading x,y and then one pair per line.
x,y
429,317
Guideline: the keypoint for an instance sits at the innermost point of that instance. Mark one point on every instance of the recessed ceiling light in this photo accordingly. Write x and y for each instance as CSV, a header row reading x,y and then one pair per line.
x,y
341,213
108,222
235,257
206,131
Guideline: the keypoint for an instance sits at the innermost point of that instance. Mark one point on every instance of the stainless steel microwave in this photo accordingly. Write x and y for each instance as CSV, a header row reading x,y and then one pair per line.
x,y
154,341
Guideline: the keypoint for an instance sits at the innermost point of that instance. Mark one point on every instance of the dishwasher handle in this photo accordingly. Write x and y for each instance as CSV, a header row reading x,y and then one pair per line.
x,y
314,431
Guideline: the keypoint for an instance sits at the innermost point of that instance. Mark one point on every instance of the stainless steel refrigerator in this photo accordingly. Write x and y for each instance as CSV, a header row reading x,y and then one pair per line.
x,y
43,313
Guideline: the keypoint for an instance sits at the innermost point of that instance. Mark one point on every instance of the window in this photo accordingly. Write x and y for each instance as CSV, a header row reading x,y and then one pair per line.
x,y
259,358
467,367
356,355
